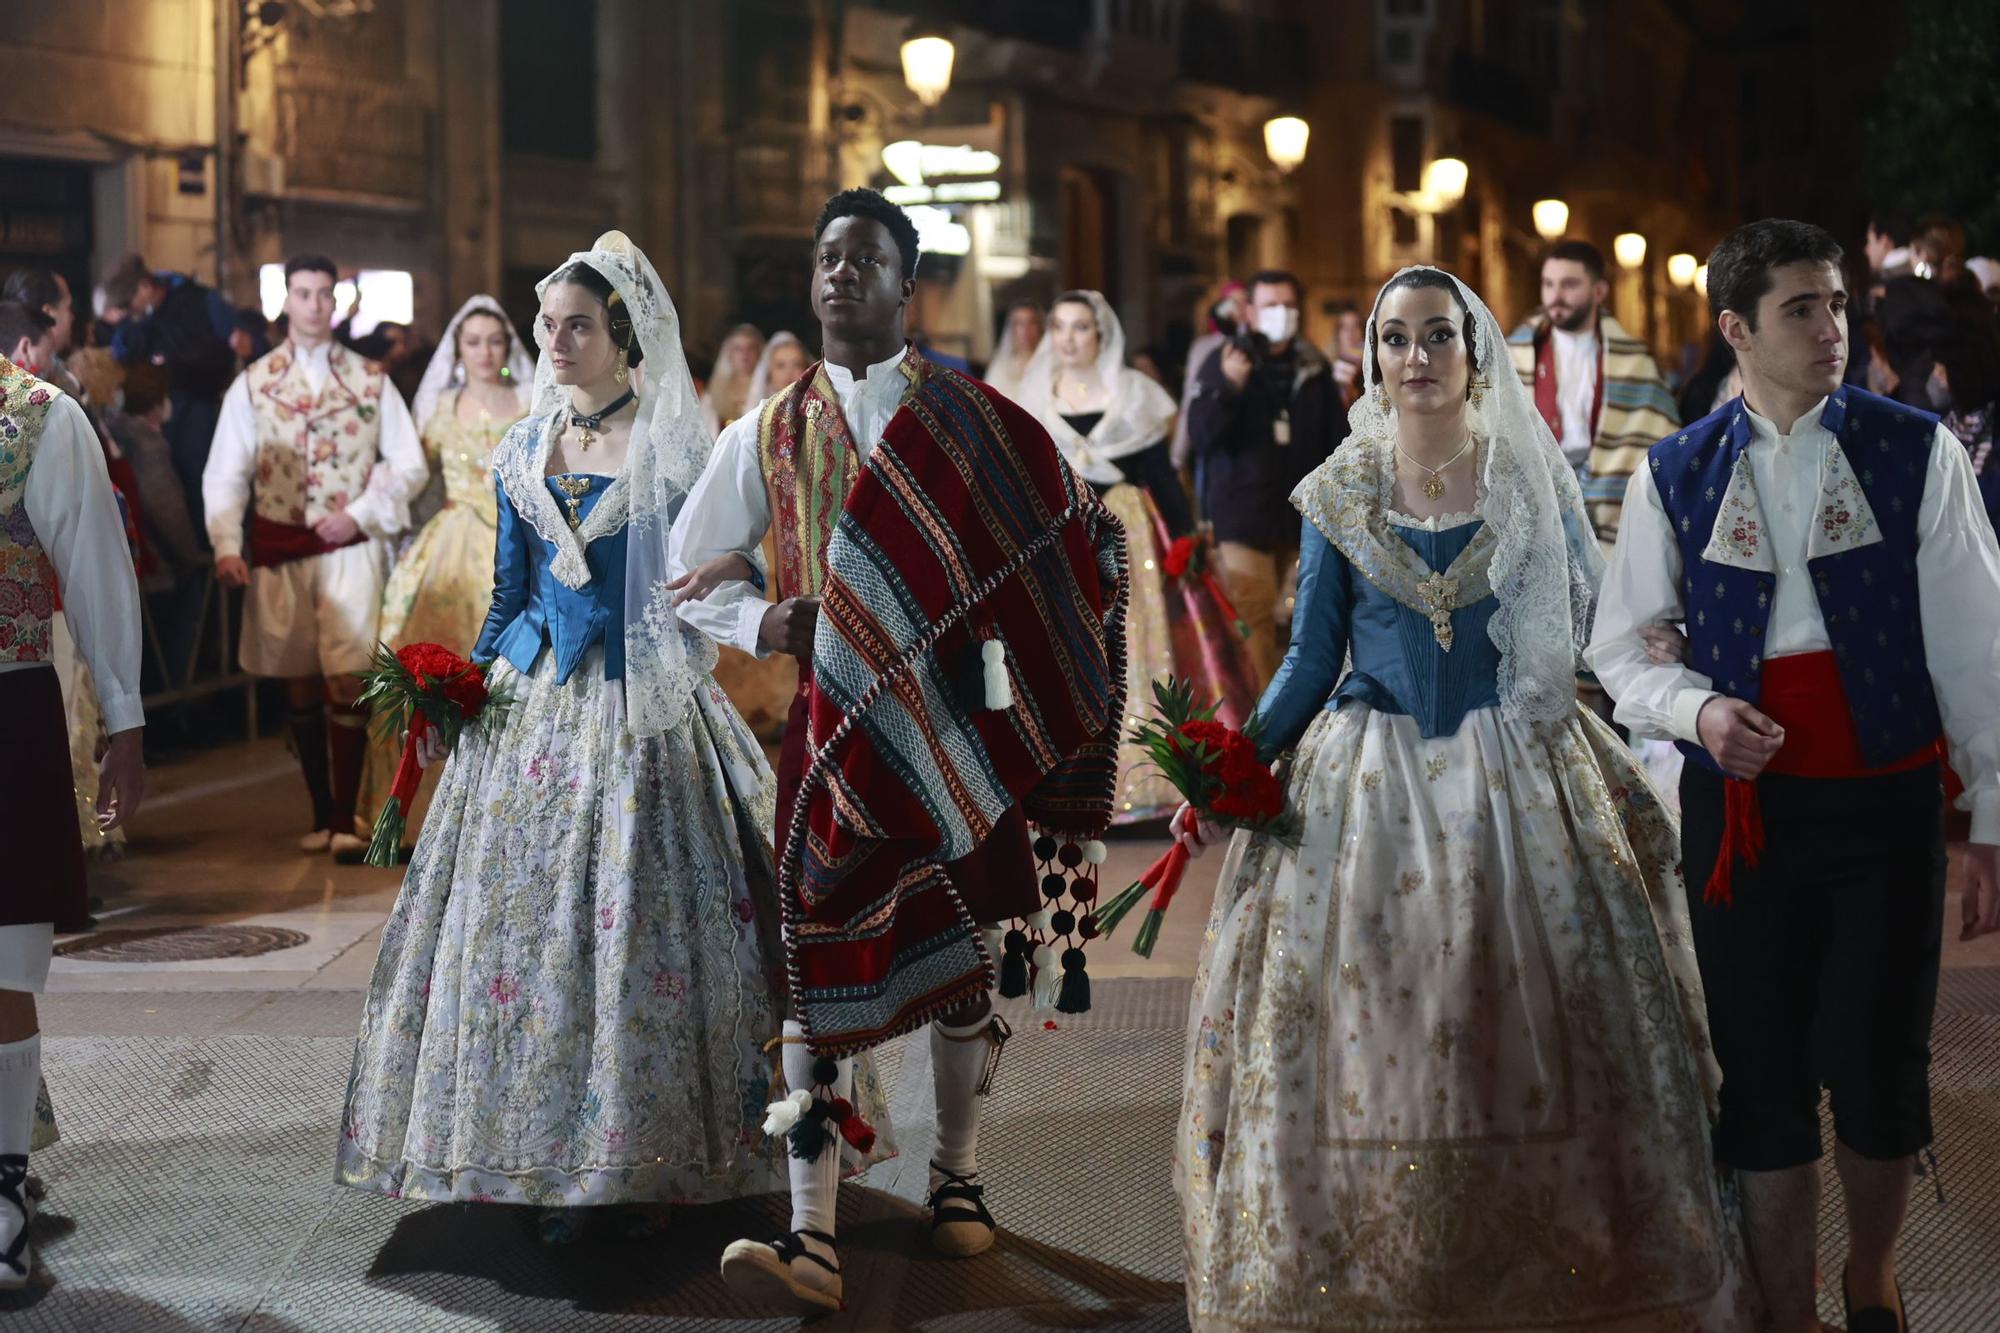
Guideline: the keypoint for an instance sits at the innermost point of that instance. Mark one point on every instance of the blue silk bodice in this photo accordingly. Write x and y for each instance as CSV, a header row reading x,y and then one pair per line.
x,y
533,610
1399,662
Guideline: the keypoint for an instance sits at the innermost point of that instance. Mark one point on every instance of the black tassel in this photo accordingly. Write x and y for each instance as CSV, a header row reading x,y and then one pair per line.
x,y
1074,997
810,1136
968,678
1014,966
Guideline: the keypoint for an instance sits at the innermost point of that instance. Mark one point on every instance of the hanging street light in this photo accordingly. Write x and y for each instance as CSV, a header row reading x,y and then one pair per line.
x,y
927,59
1444,184
1630,249
1551,218
1680,269
1285,141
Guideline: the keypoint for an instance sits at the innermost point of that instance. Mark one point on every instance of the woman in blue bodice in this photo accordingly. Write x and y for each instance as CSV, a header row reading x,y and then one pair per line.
x,y
534,610
581,971
1446,1066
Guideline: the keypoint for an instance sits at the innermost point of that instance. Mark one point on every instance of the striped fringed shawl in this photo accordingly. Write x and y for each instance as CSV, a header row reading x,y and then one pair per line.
x,y
1635,413
965,524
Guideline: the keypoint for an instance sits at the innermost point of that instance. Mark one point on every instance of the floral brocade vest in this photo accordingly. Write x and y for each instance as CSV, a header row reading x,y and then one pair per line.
x,y
810,463
27,579
314,453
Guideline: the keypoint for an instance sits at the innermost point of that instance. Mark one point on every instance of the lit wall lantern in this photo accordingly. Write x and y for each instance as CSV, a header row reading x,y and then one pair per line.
x,y
1630,249
1551,218
1285,141
1444,183
927,58
1680,269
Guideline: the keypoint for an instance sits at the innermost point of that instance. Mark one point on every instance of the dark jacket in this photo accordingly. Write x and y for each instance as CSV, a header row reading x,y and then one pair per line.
x,y
1246,475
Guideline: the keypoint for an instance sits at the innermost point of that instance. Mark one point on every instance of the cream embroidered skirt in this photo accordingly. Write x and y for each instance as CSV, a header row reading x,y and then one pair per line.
x,y
1447,1065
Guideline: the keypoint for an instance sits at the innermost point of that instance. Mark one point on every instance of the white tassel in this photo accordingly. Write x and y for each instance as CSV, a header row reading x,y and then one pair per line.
x,y
1048,977
1039,922
779,1117
996,942
992,652
999,692
1094,852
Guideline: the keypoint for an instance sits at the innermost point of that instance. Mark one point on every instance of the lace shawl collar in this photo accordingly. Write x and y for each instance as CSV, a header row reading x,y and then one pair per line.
x,y
1347,499
521,462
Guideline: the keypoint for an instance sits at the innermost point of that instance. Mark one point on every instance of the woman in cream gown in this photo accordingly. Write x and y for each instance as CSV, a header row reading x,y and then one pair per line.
x,y
1447,1064
1113,424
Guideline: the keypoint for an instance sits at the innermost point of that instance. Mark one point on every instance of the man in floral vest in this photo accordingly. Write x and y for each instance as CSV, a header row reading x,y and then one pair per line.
x,y
1826,555
60,530
319,449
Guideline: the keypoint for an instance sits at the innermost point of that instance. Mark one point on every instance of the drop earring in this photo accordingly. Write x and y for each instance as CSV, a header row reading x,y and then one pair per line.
x,y
622,374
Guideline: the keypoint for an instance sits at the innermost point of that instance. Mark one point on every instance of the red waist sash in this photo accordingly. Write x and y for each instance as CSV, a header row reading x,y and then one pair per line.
x,y
274,543
1803,694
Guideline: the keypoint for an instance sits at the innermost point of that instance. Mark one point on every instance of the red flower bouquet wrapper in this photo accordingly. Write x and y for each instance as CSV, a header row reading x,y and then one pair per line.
x,y
412,691
1217,772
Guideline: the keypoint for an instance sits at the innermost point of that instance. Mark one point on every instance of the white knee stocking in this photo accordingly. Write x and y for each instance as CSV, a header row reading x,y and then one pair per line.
x,y
20,1075
815,1184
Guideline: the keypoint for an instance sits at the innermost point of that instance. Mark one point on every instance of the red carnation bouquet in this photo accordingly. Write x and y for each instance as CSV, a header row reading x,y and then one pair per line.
x,y
1217,772
412,691
1191,560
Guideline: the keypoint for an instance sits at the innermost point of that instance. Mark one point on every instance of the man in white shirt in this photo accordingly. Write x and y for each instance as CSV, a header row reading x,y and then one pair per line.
x,y
317,445
786,467
1826,554
60,532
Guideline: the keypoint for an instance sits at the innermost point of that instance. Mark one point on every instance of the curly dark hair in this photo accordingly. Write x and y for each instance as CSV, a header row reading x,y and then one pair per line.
x,y
870,204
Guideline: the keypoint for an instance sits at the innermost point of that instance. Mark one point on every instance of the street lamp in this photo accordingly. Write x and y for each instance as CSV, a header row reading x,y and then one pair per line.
x,y
1630,248
1285,141
1701,279
1551,218
1444,183
1681,269
927,57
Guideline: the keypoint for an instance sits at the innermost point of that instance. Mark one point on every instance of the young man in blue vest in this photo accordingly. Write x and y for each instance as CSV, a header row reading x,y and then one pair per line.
x,y
1824,553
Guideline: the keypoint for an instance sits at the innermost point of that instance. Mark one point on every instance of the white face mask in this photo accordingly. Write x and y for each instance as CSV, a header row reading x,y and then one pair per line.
x,y
1279,323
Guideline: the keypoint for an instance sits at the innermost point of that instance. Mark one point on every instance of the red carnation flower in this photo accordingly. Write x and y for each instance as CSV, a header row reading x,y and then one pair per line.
x,y
467,690
1178,556
432,660
1205,732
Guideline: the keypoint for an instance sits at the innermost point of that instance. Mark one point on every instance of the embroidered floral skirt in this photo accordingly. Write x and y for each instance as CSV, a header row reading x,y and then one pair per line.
x,y
581,972
1447,1065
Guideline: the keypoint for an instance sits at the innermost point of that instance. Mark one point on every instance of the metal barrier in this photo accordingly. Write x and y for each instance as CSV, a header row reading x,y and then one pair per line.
x,y
226,611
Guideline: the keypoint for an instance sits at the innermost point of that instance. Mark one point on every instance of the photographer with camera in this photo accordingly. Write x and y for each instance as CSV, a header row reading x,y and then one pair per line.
x,y
1265,412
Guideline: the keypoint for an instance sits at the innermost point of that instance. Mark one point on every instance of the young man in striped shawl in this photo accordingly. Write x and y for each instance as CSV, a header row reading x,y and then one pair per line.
x,y
1596,385
919,518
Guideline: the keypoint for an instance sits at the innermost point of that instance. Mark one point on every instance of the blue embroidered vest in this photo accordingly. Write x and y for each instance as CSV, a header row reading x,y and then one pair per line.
x,y
1867,594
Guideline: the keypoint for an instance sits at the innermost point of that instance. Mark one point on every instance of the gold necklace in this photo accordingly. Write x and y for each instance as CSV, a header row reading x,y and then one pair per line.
x,y
1434,484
